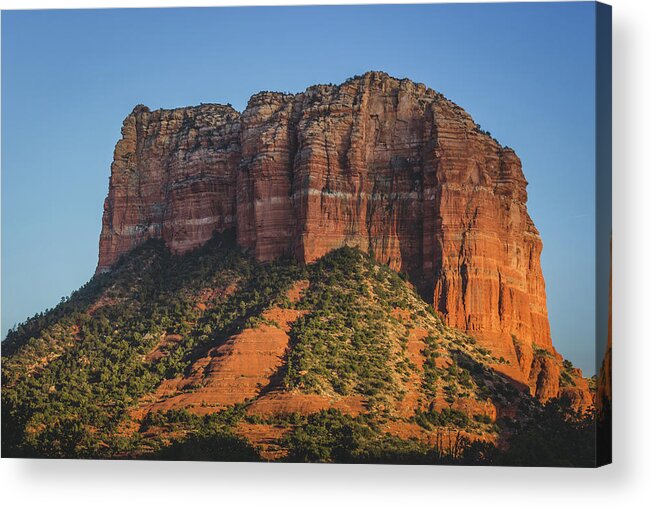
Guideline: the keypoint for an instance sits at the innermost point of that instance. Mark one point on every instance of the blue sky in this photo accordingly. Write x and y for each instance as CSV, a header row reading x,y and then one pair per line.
x,y
525,72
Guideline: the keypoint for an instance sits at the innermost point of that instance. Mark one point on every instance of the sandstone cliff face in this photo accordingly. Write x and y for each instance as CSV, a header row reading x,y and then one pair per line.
x,y
386,165
173,177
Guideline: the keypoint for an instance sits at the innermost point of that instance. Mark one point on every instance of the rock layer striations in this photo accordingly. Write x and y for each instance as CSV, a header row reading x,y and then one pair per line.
x,y
173,177
386,165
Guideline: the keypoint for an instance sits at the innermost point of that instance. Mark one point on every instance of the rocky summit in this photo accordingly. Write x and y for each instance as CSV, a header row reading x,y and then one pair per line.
x,y
347,274
382,164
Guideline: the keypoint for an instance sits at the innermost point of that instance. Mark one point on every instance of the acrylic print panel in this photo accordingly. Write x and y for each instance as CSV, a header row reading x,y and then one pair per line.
x,y
332,252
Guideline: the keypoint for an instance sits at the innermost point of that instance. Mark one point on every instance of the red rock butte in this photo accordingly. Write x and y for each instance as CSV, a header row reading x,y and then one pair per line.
x,y
383,164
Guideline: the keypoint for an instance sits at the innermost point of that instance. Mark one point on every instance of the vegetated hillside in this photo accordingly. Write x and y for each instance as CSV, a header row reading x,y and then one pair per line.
x,y
213,355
